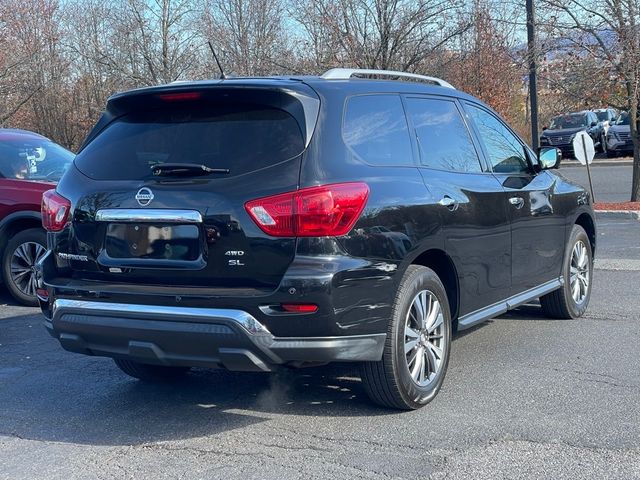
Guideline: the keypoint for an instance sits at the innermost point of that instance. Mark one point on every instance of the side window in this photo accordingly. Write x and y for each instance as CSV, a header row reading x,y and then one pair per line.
x,y
375,128
442,135
505,151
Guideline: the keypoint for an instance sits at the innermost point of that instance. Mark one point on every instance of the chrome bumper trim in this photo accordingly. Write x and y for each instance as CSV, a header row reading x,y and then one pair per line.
x,y
148,215
239,317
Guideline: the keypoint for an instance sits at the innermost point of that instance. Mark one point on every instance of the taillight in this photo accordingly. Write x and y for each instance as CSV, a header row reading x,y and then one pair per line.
x,y
326,211
55,211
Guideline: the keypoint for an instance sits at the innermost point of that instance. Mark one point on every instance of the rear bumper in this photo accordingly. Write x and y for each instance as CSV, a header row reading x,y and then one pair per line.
x,y
185,336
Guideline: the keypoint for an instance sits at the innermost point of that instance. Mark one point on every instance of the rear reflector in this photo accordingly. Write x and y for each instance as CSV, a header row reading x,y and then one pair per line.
x,y
179,96
299,307
326,211
55,211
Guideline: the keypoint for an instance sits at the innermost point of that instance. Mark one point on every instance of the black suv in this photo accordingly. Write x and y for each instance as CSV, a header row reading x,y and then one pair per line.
x,y
563,128
255,224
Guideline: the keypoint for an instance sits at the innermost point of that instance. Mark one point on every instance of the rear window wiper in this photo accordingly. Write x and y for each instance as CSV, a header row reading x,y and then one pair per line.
x,y
184,169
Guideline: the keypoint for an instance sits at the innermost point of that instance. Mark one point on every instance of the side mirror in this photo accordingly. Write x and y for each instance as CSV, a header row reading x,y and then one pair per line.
x,y
549,157
593,124
546,127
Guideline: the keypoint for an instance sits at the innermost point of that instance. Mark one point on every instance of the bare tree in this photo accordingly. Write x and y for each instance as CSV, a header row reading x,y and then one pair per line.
x,y
145,42
607,33
91,42
249,35
16,60
486,63
385,34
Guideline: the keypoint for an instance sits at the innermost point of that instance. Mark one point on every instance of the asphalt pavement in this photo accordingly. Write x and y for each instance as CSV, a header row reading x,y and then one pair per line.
x,y
611,183
525,397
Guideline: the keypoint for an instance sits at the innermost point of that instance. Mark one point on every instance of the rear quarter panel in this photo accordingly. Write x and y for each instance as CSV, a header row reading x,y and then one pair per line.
x,y
571,200
399,222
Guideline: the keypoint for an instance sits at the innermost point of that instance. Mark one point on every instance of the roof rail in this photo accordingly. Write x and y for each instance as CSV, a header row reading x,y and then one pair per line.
x,y
347,73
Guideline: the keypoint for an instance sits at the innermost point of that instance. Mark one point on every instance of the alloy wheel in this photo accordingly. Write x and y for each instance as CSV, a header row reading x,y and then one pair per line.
x,y
23,261
579,272
424,338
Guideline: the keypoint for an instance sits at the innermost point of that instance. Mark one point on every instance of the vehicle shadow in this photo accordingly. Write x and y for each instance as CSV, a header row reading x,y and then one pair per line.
x,y
63,397
527,312
5,298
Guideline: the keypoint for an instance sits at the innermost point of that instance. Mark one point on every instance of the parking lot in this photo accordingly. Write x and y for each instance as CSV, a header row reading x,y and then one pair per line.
x,y
524,397
611,183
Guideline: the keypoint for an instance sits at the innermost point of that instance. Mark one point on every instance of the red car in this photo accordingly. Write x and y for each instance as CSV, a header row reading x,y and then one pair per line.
x,y
29,165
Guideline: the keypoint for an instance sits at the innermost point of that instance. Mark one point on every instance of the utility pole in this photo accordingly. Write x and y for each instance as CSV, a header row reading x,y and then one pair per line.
x,y
533,87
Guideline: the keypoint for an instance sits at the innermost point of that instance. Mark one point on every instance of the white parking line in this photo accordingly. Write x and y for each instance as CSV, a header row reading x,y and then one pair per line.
x,y
617,264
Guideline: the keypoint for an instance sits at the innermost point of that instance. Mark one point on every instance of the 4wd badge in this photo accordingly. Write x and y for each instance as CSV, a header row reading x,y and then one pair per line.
x,y
235,262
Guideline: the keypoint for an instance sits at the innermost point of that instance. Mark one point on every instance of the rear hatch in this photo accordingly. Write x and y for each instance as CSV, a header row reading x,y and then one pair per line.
x,y
158,191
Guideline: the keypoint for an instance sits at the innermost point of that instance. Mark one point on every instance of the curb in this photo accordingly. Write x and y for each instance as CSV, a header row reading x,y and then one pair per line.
x,y
599,163
617,215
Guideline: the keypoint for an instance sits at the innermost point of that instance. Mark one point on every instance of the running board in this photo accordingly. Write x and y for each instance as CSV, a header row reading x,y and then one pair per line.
x,y
479,316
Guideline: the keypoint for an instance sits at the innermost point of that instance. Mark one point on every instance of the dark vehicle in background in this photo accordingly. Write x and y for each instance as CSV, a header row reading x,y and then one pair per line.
x,y
619,137
260,223
30,164
563,128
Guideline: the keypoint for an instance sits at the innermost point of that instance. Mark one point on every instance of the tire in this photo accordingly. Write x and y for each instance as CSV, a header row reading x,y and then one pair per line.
x,y
389,381
612,154
151,373
562,303
22,251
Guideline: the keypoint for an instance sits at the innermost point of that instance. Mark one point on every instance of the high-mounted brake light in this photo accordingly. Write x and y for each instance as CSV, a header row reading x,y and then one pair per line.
x,y
326,211
55,211
179,96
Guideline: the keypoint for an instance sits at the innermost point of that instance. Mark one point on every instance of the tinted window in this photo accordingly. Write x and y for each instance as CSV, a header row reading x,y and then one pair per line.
x,y
573,120
504,149
623,119
32,158
375,128
443,137
241,138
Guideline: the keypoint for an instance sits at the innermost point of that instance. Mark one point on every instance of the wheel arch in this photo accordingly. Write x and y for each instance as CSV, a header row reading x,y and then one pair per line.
x,y
442,264
587,222
17,222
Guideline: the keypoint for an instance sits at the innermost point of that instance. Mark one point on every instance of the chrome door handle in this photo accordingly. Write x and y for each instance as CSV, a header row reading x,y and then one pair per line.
x,y
518,202
448,202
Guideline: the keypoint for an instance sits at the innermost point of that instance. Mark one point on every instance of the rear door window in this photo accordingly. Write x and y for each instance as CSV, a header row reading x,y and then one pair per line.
x,y
241,138
443,139
375,128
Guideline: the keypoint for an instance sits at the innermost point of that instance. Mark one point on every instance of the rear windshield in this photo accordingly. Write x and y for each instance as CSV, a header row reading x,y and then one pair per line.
x,y
28,158
241,138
